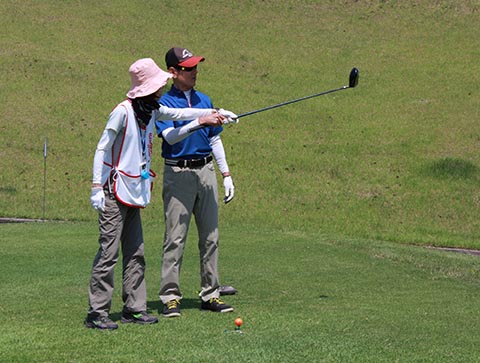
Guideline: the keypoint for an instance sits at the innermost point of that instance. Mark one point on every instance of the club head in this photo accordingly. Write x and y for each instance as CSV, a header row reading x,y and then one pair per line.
x,y
353,79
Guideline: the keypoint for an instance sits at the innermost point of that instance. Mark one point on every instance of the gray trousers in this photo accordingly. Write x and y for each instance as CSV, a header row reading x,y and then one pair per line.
x,y
118,225
188,191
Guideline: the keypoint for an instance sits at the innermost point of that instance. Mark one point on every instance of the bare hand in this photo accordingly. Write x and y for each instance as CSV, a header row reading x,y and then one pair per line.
x,y
214,119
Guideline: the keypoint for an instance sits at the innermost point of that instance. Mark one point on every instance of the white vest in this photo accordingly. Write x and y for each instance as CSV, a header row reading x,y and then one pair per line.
x,y
131,152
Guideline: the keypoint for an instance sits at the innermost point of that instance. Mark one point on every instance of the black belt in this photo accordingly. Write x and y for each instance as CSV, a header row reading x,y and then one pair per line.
x,y
193,163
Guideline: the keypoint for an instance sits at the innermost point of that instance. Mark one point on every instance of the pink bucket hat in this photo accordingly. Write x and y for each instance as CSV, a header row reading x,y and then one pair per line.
x,y
146,78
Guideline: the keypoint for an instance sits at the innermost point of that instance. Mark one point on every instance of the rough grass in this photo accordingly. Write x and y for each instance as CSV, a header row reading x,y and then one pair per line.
x,y
396,158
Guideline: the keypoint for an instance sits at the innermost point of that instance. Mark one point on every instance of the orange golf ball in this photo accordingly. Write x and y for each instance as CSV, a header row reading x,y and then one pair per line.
x,y
238,322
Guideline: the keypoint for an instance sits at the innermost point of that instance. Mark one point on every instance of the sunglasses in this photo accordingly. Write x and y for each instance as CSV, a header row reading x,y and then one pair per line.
x,y
186,69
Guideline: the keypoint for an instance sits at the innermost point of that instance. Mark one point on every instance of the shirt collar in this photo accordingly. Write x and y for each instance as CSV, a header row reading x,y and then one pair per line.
x,y
177,92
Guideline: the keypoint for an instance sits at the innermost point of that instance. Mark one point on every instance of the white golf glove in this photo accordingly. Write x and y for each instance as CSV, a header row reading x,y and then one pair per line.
x,y
97,199
232,118
229,189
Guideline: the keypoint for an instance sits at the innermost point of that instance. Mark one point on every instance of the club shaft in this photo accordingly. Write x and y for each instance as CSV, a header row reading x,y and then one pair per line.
x,y
279,105
292,101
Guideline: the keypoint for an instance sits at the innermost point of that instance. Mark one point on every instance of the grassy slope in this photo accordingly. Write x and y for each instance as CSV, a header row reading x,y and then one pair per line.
x,y
317,299
396,158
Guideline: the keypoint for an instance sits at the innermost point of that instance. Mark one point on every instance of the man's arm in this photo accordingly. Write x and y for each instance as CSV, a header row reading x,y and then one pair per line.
x,y
173,135
218,152
220,157
165,113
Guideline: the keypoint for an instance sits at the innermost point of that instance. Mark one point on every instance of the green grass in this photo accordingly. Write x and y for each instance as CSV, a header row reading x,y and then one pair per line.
x,y
332,194
304,297
394,159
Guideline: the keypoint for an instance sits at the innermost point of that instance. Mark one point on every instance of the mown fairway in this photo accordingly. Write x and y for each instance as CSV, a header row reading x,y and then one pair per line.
x,y
332,194
303,297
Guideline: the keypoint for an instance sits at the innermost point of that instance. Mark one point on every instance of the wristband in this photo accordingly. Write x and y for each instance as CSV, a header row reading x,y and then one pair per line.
x,y
227,173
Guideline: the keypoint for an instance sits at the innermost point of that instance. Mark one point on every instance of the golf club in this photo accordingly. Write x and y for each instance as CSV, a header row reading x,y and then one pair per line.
x,y
352,83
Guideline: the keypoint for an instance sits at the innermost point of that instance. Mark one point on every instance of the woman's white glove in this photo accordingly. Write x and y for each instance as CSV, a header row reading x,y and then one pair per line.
x,y
97,199
229,189
232,118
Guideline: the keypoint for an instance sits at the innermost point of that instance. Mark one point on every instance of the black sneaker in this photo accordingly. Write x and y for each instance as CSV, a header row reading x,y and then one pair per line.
x,y
171,309
100,322
216,305
227,290
138,318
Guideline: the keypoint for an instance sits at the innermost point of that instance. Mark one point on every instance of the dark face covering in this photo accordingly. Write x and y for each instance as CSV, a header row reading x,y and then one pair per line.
x,y
143,108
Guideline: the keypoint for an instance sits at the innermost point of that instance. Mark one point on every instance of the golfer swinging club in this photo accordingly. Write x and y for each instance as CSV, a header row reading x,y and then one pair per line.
x,y
121,186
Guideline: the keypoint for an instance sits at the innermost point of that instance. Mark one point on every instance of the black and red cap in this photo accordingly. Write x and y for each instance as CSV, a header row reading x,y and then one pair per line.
x,y
181,57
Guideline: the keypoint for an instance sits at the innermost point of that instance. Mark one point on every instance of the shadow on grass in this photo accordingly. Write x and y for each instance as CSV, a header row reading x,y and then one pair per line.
x,y
451,168
156,307
186,303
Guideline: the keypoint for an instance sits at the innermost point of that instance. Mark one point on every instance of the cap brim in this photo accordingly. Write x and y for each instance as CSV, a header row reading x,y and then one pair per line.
x,y
191,62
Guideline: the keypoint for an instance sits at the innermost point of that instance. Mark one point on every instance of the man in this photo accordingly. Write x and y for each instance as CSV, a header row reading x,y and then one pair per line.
x,y
121,185
190,186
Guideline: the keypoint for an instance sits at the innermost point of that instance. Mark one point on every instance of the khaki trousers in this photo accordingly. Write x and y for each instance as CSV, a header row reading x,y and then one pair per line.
x,y
118,225
188,191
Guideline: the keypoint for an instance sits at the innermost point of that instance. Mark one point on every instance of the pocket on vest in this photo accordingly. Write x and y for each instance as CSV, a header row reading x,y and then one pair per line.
x,y
132,191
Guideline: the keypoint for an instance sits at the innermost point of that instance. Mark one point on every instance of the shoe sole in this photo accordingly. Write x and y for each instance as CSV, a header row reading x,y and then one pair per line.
x,y
93,326
127,321
227,290
171,315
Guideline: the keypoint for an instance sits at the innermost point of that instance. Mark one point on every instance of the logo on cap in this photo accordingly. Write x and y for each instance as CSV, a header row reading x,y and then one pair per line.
x,y
186,54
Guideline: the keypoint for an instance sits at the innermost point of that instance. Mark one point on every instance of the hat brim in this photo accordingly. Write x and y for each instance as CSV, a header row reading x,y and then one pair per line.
x,y
191,62
151,86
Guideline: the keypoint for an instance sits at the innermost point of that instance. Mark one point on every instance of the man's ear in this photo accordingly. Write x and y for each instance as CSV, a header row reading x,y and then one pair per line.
x,y
173,71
